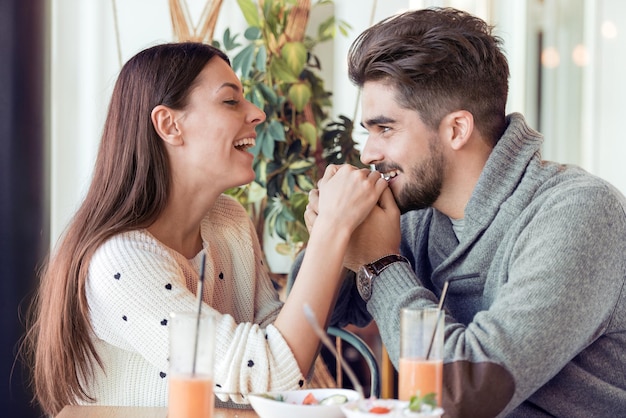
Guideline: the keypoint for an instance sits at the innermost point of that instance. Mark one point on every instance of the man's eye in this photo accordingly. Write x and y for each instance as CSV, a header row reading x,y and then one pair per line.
x,y
384,129
232,102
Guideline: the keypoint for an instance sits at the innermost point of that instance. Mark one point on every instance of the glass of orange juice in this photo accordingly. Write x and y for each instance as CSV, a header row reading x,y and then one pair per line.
x,y
190,377
420,370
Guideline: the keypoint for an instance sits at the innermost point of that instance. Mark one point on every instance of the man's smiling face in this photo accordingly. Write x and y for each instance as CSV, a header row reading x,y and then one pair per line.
x,y
401,147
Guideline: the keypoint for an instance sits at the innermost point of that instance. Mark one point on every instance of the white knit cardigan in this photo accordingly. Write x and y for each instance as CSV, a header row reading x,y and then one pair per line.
x,y
135,282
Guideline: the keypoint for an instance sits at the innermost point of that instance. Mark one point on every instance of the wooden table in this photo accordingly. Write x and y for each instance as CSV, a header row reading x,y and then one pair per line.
x,y
73,411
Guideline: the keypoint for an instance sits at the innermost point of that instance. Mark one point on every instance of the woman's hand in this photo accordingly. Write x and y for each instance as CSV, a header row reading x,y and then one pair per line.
x,y
310,214
345,197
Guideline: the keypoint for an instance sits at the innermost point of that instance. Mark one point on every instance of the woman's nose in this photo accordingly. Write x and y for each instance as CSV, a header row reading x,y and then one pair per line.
x,y
257,115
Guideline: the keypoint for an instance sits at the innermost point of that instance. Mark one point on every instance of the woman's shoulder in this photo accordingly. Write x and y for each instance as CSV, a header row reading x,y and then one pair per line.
x,y
131,247
133,239
131,259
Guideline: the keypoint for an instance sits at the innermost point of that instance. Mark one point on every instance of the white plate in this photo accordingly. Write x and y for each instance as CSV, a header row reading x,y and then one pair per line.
x,y
291,406
397,409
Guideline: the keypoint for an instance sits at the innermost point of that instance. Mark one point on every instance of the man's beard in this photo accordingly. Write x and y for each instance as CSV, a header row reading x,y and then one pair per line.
x,y
425,181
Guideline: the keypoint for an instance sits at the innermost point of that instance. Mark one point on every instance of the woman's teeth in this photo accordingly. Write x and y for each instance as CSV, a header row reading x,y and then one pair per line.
x,y
245,143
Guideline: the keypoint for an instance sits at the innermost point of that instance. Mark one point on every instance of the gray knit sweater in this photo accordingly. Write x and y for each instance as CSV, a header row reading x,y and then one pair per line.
x,y
536,307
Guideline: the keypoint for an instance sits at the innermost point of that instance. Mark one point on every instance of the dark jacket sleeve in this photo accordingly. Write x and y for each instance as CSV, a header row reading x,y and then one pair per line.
x,y
349,309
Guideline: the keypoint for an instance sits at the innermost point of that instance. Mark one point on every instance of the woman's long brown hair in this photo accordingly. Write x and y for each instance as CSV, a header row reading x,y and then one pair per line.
x,y
129,189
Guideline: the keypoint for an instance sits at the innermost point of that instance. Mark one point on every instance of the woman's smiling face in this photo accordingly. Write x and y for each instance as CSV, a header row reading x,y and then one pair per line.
x,y
217,127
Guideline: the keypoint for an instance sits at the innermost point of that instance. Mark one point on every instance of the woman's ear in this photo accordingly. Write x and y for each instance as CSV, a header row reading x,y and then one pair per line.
x,y
460,125
164,122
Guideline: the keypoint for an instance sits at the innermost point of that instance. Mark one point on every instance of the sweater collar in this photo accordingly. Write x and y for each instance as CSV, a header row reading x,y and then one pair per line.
x,y
502,173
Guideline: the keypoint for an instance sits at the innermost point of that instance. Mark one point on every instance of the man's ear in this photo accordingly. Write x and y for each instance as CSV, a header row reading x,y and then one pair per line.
x,y
164,122
459,126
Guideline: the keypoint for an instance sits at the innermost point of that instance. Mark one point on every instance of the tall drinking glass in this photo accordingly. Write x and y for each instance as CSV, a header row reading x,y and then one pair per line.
x,y
420,370
190,377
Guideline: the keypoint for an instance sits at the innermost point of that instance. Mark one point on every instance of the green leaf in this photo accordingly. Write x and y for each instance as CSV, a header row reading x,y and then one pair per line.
x,y
285,187
326,30
250,12
243,60
286,214
344,27
256,192
305,183
299,94
252,33
271,224
299,234
298,204
260,169
291,183
268,93
267,9
294,54
277,131
237,192
230,42
267,148
256,97
300,166
281,228
299,231
309,133
417,402
281,71
261,59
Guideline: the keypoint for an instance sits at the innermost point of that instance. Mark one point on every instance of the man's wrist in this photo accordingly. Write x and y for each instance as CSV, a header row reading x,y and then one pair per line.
x,y
366,273
355,265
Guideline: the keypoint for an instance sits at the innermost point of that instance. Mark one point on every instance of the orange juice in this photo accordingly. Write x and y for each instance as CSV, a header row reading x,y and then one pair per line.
x,y
190,397
425,376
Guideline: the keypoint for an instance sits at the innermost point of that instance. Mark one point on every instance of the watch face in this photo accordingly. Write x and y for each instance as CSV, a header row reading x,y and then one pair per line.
x,y
364,283
366,273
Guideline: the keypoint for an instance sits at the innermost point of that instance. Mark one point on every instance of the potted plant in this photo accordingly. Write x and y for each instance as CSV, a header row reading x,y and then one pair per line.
x,y
281,75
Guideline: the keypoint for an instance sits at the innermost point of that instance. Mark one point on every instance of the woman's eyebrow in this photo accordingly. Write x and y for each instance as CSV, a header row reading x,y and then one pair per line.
x,y
231,85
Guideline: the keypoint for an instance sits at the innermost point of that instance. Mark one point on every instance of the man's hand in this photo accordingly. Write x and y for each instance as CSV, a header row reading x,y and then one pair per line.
x,y
377,236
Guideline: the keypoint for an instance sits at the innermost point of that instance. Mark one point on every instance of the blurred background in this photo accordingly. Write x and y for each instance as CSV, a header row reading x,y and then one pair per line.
x,y
60,58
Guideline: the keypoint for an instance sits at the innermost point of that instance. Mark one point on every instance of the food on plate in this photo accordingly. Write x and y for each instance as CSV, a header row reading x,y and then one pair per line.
x,y
309,399
372,406
392,408
320,402
425,403
379,410
279,398
423,406
334,400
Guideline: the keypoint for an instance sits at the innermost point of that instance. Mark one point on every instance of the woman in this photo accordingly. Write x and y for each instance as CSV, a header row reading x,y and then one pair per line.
x,y
174,140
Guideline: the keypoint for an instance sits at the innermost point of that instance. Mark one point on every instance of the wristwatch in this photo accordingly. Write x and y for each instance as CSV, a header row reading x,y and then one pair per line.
x,y
368,272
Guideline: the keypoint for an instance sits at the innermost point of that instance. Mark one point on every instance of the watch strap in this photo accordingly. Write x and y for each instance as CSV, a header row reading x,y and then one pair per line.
x,y
368,272
376,267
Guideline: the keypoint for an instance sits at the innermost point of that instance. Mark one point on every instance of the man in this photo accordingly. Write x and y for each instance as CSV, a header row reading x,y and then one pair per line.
x,y
534,252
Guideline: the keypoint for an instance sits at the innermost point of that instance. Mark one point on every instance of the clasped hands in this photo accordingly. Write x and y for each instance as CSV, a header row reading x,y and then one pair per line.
x,y
362,198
